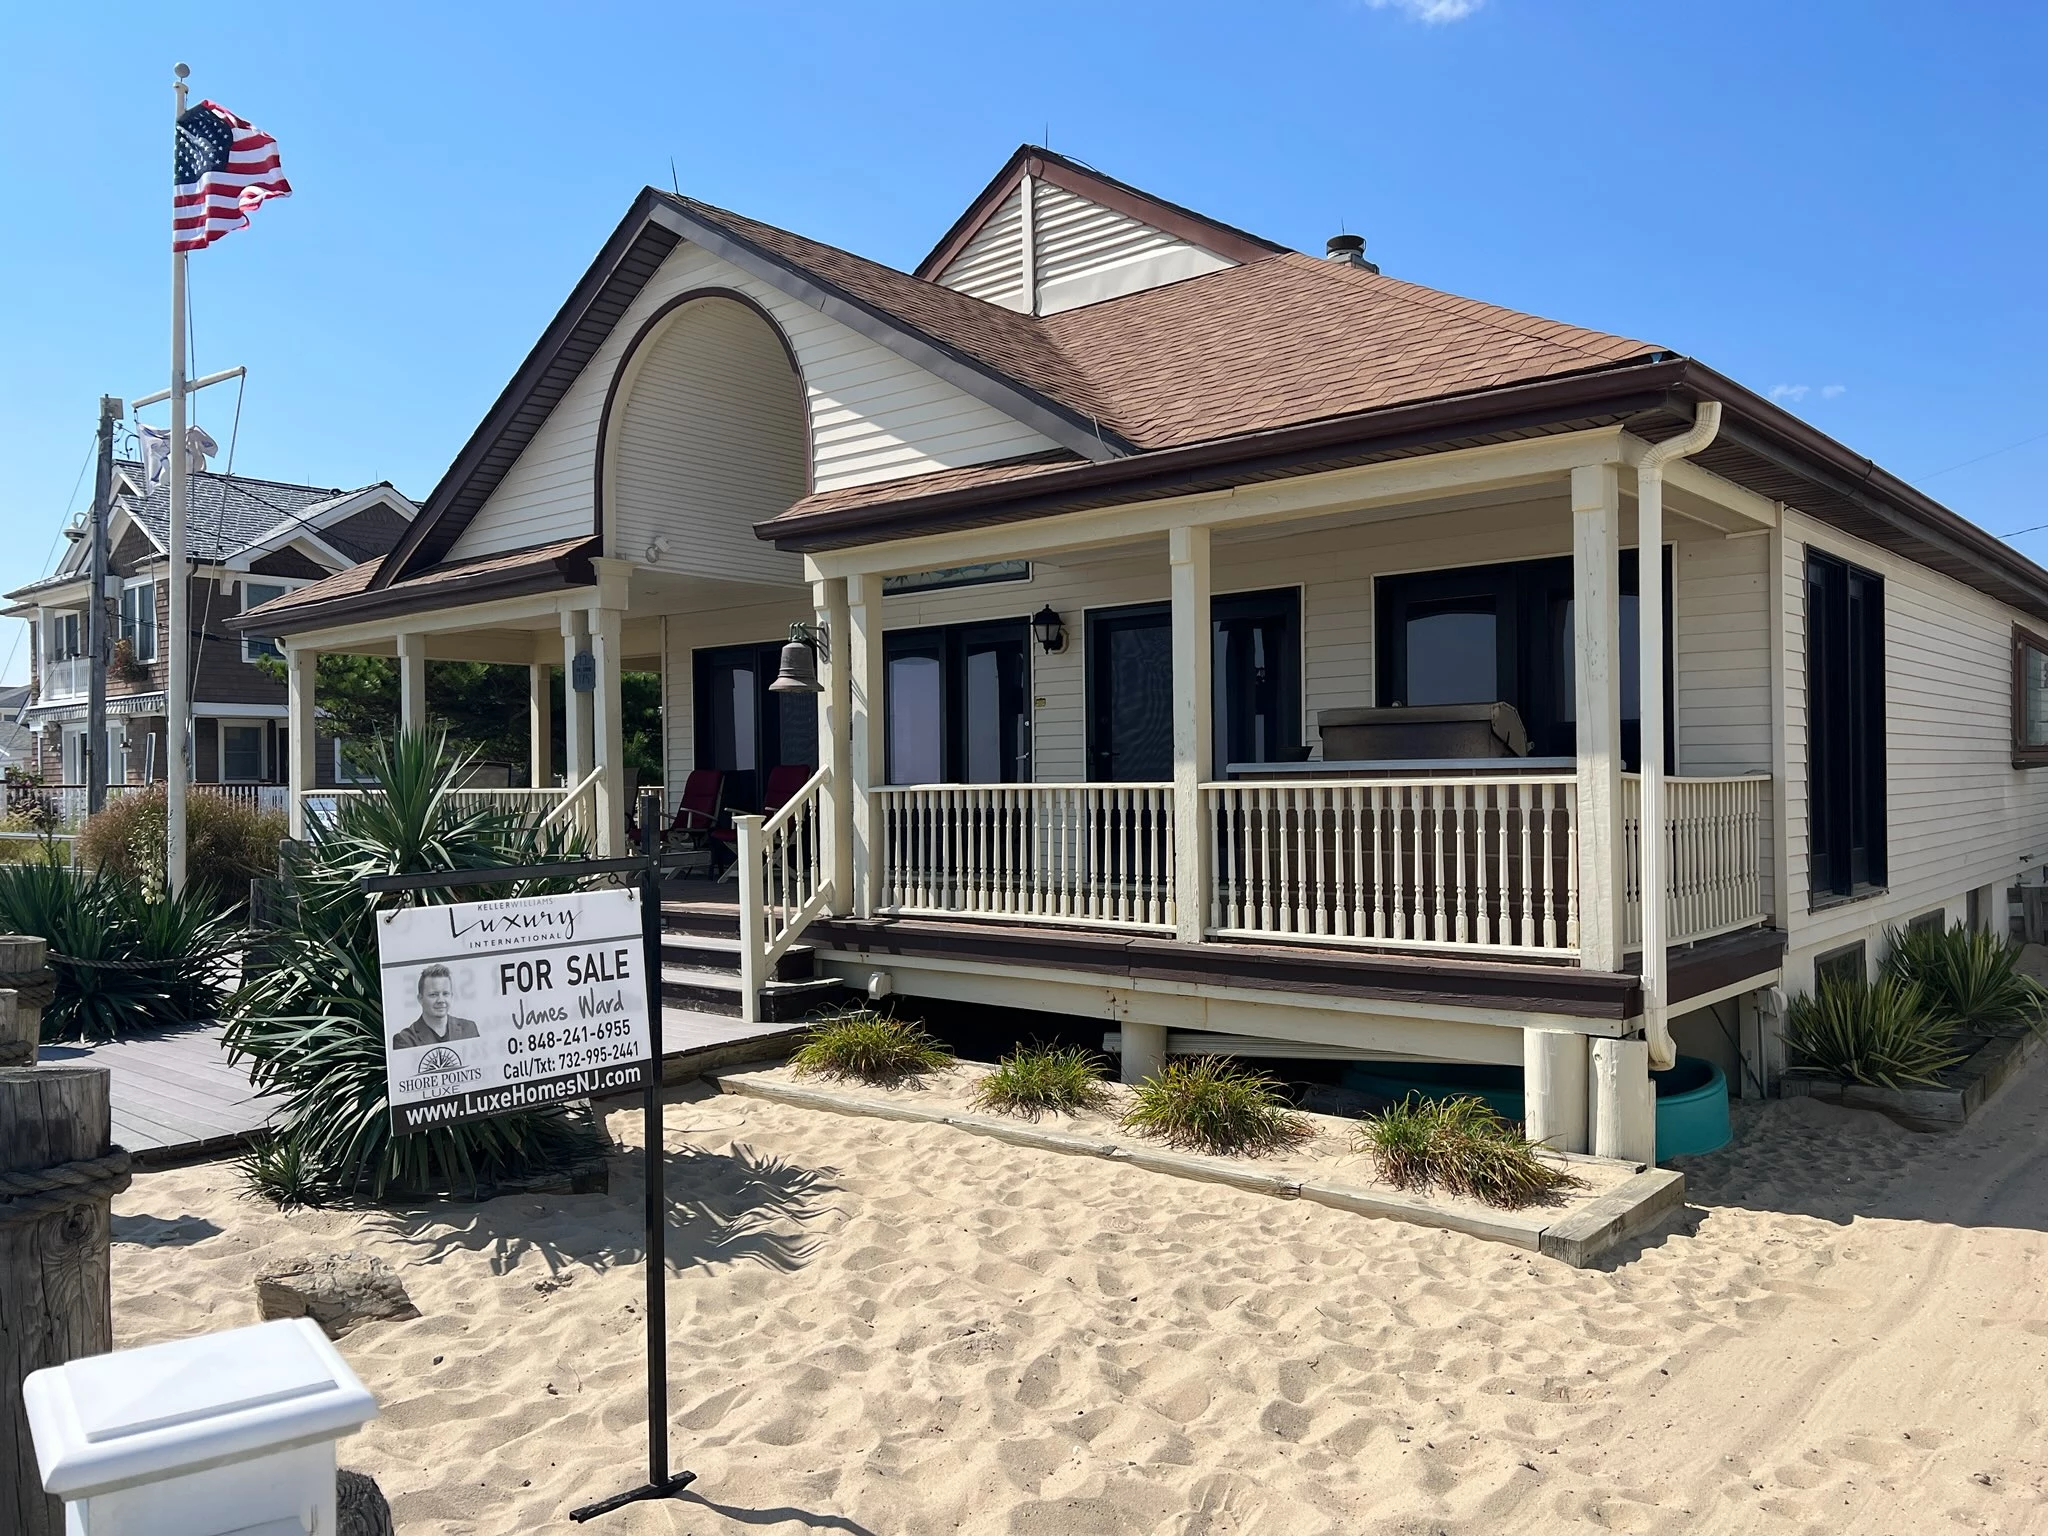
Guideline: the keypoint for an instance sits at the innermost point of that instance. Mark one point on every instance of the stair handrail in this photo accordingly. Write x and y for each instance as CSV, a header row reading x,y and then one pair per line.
x,y
774,912
586,785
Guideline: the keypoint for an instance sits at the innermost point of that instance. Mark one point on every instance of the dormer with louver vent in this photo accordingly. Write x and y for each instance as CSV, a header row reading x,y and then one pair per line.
x,y
1049,234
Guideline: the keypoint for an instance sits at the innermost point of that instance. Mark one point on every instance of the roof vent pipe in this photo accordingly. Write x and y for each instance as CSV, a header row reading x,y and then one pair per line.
x,y
1350,251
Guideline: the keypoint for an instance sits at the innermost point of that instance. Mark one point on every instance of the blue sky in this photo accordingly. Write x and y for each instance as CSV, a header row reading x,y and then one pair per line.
x,y
1840,201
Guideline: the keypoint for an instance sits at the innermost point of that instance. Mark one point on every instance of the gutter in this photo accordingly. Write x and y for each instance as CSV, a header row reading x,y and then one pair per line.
x,y
1650,670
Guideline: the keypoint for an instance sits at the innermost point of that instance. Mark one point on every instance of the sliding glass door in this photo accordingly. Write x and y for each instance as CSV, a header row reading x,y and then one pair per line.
x,y
957,704
742,728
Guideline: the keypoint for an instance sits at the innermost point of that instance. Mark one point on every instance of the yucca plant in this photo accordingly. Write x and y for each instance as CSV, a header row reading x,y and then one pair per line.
x,y
312,1025
1034,1079
1214,1105
1881,1033
1462,1145
1970,976
873,1047
123,961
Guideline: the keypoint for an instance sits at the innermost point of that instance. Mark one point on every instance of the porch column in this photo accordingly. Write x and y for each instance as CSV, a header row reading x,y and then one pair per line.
x,y
412,682
866,752
1596,636
1188,549
1555,1102
301,772
576,746
1623,1101
607,733
540,714
1144,1052
835,739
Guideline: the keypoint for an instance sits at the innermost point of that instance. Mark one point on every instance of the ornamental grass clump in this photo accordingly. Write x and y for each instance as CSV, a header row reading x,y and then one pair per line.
x,y
870,1046
1035,1079
1969,976
311,1026
1463,1146
1883,1034
124,961
1211,1104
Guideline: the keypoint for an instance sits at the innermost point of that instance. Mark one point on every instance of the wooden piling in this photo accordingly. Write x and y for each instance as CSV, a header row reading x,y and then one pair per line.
x,y
24,985
58,1177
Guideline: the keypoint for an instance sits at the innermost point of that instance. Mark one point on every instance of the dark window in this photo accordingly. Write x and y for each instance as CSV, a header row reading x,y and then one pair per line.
x,y
241,754
138,619
743,729
1846,965
956,705
1845,727
1930,922
1504,633
1255,685
255,593
2029,699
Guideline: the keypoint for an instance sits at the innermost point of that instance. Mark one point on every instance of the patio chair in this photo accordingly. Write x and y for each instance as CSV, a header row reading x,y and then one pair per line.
x,y
697,813
784,780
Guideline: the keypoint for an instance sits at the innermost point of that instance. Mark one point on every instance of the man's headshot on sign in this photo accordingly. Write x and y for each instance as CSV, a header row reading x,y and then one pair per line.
x,y
436,1024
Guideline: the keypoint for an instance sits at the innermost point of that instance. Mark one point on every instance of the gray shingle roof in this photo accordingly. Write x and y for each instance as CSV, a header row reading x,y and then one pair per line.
x,y
225,514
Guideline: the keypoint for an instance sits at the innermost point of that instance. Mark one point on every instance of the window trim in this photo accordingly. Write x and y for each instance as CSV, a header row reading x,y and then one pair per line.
x,y
140,584
2024,755
242,584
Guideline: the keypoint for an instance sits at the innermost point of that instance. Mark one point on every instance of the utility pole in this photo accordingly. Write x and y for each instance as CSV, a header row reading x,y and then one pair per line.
x,y
98,641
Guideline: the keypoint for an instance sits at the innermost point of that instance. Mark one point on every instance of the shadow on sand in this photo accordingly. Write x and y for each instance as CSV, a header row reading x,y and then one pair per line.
x,y
807,1519
1810,1158
732,1207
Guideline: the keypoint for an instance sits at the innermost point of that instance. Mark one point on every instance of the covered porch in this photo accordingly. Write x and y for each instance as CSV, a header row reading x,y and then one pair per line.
x,y
1188,656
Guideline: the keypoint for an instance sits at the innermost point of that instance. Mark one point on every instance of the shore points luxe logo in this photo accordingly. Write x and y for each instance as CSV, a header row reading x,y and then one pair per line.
x,y
439,1059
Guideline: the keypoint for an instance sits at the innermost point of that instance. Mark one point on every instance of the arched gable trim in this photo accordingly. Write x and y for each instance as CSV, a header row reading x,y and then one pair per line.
x,y
628,369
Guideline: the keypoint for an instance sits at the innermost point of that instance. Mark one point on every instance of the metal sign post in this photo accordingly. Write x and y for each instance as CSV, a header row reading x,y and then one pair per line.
x,y
648,865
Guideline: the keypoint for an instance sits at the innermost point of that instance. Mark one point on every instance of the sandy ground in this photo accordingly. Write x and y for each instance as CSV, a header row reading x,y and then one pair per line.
x,y
886,1328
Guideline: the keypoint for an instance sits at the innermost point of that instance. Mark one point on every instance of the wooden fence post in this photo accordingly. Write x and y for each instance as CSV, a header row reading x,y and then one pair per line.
x,y
58,1178
25,983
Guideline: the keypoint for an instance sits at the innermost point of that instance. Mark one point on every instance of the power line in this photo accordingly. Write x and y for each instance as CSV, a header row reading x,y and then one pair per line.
x,y
1994,453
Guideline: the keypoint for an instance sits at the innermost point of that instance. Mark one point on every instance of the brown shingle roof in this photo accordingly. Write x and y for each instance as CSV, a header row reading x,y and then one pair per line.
x,y
488,575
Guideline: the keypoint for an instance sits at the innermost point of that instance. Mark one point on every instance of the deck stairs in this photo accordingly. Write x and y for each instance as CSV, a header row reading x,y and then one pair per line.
x,y
700,968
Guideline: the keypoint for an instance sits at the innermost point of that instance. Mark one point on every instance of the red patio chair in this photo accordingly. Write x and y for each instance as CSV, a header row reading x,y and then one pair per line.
x,y
784,780
696,818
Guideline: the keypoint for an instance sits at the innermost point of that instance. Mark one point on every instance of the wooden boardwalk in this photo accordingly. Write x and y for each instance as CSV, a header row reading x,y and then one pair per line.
x,y
176,1095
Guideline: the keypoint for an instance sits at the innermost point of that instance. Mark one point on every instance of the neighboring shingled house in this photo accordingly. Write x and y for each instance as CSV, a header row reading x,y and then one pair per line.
x,y
250,541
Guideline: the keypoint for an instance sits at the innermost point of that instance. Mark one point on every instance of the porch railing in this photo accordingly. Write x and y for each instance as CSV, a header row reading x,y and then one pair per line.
x,y
1068,853
1465,864
1714,854
67,802
783,882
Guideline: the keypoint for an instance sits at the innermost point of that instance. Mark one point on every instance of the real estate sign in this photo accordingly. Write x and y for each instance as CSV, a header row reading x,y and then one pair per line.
x,y
494,1006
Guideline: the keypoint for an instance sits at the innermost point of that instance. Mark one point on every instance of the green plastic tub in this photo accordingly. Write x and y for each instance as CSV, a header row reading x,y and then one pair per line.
x,y
1692,1098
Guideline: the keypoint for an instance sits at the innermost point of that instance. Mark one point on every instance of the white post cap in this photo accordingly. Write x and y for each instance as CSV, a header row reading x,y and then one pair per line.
x,y
141,1415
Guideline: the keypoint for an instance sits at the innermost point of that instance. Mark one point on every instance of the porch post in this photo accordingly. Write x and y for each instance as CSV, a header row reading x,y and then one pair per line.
x,y
835,739
1596,637
1623,1101
301,772
866,753
1188,549
576,747
1554,1100
540,714
607,733
412,682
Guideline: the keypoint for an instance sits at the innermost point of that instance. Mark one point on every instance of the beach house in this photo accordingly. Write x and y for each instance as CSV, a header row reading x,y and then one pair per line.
x,y
1244,648
249,541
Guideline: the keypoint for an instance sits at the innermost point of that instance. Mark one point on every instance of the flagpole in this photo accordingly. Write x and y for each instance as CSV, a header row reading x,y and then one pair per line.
x,y
178,678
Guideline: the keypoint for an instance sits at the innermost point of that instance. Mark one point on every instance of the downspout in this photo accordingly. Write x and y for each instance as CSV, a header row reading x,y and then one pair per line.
x,y
1650,671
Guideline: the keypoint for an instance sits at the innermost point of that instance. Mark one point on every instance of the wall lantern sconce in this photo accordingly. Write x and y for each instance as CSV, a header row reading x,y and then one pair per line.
x,y
1052,634
799,670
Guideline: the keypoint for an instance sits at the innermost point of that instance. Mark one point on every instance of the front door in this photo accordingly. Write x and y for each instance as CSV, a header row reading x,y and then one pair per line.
x,y
957,705
744,729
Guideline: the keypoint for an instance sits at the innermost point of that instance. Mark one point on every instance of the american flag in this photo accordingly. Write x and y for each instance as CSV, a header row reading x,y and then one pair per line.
x,y
225,169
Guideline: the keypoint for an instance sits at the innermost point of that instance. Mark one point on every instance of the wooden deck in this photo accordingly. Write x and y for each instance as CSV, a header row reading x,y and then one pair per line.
x,y
175,1095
